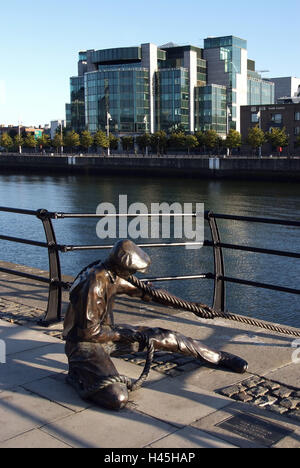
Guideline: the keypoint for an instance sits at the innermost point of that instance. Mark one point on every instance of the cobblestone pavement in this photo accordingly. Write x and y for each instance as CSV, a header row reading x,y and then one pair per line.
x,y
21,314
267,394
170,364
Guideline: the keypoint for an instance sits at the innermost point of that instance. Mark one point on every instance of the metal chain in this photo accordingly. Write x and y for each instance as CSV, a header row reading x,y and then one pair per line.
x,y
204,311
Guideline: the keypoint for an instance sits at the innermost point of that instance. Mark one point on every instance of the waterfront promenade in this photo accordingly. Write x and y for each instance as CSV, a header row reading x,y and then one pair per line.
x,y
183,404
266,168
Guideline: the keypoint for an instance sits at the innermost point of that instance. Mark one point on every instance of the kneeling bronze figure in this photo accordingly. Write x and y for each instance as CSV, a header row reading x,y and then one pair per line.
x,y
92,338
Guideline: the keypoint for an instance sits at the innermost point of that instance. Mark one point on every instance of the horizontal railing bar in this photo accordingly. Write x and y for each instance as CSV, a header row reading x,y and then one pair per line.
x,y
180,278
259,285
25,275
206,243
59,215
24,241
71,248
280,253
254,219
122,215
67,285
18,211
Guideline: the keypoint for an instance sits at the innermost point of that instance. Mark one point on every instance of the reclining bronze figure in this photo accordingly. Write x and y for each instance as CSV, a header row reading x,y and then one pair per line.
x,y
92,336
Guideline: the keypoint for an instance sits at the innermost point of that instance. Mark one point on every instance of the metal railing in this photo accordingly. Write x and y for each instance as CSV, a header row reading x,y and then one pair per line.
x,y
56,285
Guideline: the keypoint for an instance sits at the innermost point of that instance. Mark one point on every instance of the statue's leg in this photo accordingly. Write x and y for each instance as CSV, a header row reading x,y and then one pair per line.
x,y
89,364
168,340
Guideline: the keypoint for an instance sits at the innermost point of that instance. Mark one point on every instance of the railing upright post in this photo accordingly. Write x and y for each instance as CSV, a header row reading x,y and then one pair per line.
x,y
53,313
219,302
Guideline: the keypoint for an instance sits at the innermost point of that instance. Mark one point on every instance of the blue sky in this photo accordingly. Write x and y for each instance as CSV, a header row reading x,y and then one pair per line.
x,y
40,41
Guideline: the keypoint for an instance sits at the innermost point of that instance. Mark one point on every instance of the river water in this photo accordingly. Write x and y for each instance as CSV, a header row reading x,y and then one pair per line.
x,y
82,194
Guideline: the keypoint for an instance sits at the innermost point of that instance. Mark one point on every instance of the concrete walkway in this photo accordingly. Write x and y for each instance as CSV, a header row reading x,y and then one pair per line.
x,y
182,405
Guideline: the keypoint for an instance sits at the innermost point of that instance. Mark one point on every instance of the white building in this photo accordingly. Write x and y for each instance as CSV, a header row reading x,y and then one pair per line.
x,y
54,125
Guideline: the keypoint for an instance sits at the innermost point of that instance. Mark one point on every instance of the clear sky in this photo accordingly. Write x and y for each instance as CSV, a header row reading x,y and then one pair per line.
x,y
40,41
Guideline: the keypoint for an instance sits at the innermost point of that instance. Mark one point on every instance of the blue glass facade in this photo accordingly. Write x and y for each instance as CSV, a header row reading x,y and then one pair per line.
x,y
260,91
172,99
123,92
76,112
210,109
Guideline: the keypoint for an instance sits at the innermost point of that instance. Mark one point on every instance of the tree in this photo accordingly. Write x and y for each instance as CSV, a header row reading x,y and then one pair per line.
x,y
143,141
210,139
127,143
72,140
113,142
159,141
191,142
18,142
177,140
277,137
86,140
233,140
101,140
6,141
43,141
200,138
58,141
256,137
30,141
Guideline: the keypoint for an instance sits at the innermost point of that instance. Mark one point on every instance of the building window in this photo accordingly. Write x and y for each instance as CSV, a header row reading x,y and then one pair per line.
x,y
297,115
254,118
297,130
277,118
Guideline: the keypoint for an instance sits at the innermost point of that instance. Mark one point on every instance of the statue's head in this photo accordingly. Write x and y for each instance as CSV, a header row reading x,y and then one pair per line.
x,y
126,258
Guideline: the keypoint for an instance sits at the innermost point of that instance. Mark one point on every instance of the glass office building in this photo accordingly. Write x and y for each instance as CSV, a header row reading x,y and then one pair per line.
x,y
259,91
210,109
76,111
122,92
149,88
172,99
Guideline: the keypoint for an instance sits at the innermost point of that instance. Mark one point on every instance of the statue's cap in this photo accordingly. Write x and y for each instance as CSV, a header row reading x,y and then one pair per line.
x,y
128,256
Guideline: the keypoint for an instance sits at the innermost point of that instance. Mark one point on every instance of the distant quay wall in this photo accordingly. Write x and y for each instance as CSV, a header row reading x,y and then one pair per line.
x,y
202,167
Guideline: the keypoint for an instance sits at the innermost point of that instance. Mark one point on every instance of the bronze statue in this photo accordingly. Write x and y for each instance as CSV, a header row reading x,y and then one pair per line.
x,y
92,337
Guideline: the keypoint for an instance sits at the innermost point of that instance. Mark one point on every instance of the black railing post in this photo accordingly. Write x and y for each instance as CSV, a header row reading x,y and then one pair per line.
x,y
219,302
53,313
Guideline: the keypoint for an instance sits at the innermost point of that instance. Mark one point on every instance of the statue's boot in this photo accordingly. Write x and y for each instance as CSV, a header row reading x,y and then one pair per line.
x,y
176,342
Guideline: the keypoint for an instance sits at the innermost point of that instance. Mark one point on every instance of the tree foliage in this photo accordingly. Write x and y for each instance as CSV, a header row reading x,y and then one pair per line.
x,y
127,143
143,141
101,140
6,141
256,137
159,141
86,139
43,141
278,137
30,141
58,141
233,139
72,140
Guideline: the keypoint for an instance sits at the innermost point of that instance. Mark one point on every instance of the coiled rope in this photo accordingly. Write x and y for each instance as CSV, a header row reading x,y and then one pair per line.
x,y
123,379
204,311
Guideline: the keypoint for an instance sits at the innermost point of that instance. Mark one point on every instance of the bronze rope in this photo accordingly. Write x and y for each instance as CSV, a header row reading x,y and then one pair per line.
x,y
204,311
